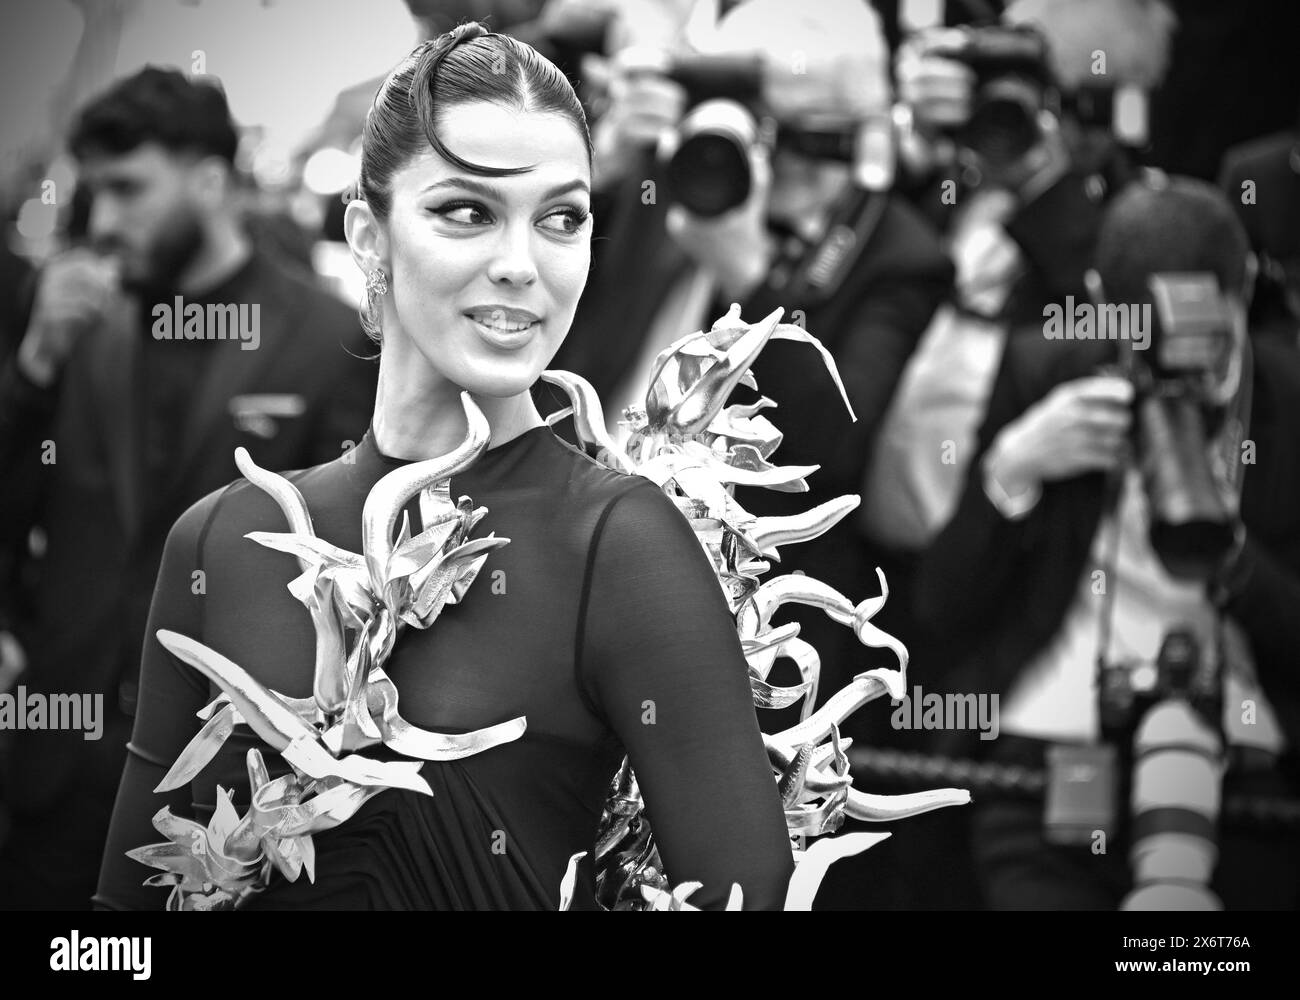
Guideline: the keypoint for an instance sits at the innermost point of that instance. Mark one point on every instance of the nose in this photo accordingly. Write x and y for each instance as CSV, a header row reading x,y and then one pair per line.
x,y
513,263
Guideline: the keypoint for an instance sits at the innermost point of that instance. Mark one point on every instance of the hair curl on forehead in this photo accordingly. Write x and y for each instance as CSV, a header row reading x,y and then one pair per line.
x,y
468,63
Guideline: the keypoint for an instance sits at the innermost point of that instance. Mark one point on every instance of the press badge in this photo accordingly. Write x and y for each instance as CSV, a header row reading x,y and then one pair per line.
x,y
1082,794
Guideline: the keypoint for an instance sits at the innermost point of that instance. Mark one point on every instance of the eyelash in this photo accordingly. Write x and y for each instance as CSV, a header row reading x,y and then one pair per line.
x,y
577,216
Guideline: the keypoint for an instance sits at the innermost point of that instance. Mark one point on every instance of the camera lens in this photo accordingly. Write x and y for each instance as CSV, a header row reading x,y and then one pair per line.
x,y
1004,125
1190,530
708,172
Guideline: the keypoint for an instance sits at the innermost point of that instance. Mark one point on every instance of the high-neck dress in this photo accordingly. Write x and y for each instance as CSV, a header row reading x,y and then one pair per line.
x,y
601,622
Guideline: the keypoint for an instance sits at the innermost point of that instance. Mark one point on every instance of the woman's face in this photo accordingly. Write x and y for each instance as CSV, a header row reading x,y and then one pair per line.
x,y
487,271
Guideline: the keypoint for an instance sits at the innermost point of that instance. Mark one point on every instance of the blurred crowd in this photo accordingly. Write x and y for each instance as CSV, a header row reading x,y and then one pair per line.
x,y
1053,247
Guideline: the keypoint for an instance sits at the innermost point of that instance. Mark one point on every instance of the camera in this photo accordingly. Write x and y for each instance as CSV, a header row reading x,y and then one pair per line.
x,y
1013,85
707,158
1170,715
1186,382
1128,690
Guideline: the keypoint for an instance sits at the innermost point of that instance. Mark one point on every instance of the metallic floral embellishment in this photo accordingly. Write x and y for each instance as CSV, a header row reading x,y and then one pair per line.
x,y
697,449
359,604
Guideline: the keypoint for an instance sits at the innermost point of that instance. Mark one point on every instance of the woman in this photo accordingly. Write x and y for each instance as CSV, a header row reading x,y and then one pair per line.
x,y
601,622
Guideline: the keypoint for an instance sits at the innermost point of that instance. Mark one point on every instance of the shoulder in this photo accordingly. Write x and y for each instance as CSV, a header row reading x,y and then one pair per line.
x,y
308,305
1276,370
189,530
902,242
1270,151
593,483
1036,363
239,507
916,243
616,508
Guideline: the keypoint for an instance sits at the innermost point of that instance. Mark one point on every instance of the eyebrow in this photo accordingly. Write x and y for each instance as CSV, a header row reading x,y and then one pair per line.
x,y
491,191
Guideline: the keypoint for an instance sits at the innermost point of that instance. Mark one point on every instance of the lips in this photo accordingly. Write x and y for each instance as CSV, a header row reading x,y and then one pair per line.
x,y
505,319
504,326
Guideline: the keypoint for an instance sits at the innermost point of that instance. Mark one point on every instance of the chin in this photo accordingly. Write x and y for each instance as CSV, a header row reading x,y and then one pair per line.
x,y
497,386
496,378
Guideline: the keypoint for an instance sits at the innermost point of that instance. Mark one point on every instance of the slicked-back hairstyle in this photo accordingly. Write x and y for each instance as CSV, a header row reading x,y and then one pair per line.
x,y
157,105
468,63
1169,224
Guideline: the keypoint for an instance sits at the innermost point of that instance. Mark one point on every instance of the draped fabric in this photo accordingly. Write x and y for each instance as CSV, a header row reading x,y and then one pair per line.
x,y
601,622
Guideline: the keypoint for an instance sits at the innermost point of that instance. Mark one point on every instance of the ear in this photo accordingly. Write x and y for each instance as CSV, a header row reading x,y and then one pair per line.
x,y
211,182
366,237
1092,282
1252,275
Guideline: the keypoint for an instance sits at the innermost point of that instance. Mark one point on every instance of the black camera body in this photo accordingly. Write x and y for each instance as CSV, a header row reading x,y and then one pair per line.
x,y
707,161
1127,691
1185,383
1013,85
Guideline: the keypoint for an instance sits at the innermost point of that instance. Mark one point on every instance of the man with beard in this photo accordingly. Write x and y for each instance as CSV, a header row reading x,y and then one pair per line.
x,y
149,356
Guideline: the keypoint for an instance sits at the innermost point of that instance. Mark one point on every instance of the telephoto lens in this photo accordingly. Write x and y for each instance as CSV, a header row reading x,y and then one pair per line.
x,y
1191,528
1177,786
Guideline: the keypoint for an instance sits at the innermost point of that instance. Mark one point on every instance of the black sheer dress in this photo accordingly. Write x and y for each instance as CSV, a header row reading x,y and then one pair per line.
x,y
601,622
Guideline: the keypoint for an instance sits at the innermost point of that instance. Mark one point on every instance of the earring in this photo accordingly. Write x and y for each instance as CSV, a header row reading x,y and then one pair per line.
x,y
376,288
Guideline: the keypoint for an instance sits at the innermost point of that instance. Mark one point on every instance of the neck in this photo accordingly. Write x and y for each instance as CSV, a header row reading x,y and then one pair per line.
x,y
418,413
224,252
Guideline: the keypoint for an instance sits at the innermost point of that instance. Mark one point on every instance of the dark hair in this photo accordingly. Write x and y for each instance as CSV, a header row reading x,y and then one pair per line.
x,y
1169,224
468,63
156,105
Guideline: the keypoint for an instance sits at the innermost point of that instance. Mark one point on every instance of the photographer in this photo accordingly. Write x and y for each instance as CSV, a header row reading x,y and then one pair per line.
x,y
1072,555
854,265
110,430
754,195
1017,142
1261,180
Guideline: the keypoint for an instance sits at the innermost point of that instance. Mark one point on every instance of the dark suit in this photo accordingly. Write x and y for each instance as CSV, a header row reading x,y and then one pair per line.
x,y
105,505
871,322
1271,219
1003,587
995,592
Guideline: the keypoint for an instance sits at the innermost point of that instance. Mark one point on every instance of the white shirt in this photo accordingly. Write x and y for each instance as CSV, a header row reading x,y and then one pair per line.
x,y
1055,698
922,449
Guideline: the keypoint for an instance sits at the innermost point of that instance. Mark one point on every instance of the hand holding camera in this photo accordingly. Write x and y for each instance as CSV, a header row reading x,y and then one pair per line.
x,y
1081,426
72,295
642,104
735,246
939,89
982,92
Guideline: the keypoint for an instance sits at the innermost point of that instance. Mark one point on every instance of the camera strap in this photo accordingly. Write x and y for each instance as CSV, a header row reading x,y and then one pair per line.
x,y
819,271
1111,514
1229,464
1228,457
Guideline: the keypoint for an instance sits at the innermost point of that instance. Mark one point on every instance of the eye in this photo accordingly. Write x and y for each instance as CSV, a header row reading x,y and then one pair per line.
x,y
464,213
570,221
